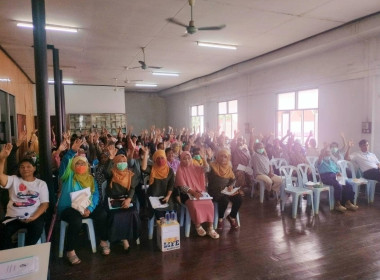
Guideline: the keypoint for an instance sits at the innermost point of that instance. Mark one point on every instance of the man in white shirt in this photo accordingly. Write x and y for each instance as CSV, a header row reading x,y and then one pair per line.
x,y
368,163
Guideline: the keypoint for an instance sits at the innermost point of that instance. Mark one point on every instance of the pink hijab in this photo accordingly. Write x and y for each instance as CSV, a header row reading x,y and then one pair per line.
x,y
191,176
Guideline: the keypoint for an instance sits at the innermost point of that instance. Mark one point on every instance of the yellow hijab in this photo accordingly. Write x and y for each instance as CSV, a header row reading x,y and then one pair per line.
x,y
121,177
159,172
223,170
85,180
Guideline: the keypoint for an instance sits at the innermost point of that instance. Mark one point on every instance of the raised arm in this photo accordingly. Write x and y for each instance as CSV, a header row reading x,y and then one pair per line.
x,y
3,156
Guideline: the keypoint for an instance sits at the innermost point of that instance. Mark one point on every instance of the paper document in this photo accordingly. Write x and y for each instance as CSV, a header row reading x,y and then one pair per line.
x,y
246,169
86,191
156,203
227,192
205,196
18,267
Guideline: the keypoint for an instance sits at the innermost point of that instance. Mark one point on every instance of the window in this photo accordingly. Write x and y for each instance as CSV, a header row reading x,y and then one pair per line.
x,y
228,117
298,112
7,117
197,118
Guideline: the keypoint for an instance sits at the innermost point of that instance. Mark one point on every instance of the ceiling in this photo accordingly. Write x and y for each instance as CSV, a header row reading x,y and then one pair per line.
x,y
111,33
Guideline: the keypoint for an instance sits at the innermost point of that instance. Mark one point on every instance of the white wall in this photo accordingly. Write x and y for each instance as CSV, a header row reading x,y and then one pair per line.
x,y
90,99
144,110
346,73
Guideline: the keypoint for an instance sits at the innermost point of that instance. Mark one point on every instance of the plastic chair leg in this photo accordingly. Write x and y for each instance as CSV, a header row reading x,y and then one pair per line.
x,y
216,215
262,190
91,233
312,204
372,190
151,227
295,205
187,223
138,241
317,197
182,217
62,235
332,199
238,218
21,238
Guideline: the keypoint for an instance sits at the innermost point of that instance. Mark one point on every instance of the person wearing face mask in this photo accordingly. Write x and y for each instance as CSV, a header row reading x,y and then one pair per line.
x,y
161,181
74,173
329,171
197,159
123,222
120,148
263,170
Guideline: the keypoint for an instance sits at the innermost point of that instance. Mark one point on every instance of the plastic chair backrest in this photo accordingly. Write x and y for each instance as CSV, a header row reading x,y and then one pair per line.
x,y
287,172
278,162
342,166
312,160
303,170
351,166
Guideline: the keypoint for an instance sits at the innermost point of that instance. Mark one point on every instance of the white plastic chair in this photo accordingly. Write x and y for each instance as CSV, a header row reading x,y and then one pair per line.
x,y
91,235
21,237
295,190
354,181
303,170
312,160
185,219
262,189
278,162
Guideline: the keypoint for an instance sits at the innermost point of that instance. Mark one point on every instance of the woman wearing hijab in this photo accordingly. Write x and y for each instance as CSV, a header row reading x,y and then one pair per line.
x,y
190,179
161,180
123,219
75,175
219,177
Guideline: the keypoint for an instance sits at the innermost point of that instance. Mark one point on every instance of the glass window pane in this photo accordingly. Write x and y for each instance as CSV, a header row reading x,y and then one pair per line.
x,y
234,124
222,107
296,124
308,99
202,129
228,130
200,110
286,101
232,106
222,123
193,111
310,123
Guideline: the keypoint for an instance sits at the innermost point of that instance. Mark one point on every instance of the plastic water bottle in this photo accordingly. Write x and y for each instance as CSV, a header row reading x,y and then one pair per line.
x,y
167,217
173,216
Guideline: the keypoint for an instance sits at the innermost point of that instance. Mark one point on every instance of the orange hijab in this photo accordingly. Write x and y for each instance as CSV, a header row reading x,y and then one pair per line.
x,y
121,177
159,172
223,170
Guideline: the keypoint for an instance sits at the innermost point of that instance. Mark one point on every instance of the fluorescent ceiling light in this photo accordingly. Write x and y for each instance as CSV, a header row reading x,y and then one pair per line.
x,y
66,82
49,27
220,46
165,74
145,85
5,80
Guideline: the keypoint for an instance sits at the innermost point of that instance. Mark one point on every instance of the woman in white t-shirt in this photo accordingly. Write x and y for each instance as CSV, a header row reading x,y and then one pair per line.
x,y
28,201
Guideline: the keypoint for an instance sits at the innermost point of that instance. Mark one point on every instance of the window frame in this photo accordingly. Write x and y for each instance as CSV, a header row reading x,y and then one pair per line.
x,y
288,112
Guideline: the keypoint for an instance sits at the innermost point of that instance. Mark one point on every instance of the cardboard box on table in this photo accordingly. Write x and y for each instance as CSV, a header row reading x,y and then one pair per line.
x,y
168,238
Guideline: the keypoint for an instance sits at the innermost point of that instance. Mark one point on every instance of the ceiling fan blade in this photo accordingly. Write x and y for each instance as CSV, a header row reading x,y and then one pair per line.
x,y
212,27
136,67
173,20
142,62
154,67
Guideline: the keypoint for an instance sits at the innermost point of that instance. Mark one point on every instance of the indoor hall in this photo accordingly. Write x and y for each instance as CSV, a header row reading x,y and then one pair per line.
x,y
293,65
